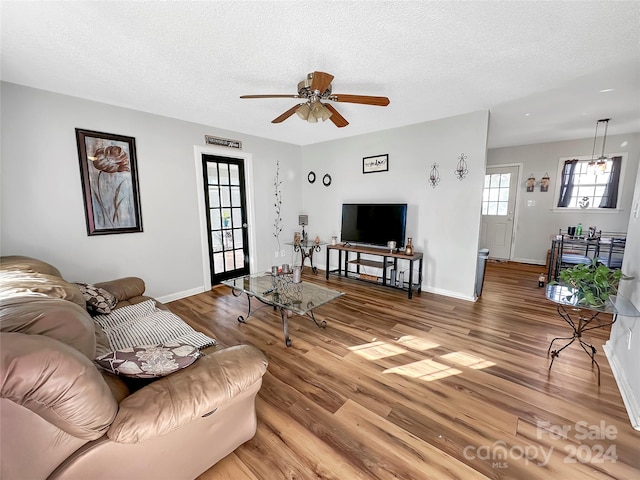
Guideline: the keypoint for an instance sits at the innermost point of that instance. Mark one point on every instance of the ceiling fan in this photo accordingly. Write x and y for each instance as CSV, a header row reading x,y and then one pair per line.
x,y
315,89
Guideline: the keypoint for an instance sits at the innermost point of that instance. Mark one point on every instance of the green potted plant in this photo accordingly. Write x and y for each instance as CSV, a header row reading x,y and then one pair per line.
x,y
592,283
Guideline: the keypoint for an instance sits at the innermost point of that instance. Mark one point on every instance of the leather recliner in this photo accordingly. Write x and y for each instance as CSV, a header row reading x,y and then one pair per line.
x,y
62,417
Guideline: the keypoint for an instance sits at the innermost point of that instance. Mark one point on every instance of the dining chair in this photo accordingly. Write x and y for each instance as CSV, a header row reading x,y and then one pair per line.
x,y
611,252
575,251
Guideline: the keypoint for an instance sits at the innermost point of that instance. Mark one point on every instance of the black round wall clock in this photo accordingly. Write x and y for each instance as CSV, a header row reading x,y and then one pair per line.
x,y
326,180
311,177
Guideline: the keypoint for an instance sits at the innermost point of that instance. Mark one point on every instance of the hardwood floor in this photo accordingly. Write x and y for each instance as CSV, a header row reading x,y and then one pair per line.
x,y
428,388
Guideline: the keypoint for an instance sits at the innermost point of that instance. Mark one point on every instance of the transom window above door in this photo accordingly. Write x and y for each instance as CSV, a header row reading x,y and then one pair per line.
x,y
495,195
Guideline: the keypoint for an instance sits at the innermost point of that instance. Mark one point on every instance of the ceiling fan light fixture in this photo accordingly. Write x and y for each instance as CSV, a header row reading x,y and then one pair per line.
x,y
304,111
319,111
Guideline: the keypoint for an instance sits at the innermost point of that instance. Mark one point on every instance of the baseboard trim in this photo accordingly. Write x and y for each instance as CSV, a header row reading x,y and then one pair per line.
x,y
529,261
631,403
448,293
178,295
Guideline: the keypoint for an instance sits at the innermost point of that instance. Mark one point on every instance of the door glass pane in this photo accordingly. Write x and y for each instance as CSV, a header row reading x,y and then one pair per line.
x,y
235,197
493,208
218,262
236,216
234,174
504,195
214,197
214,215
237,237
493,194
495,180
212,173
228,260
502,208
485,208
216,241
487,181
226,218
224,174
239,258
225,196
505,178
227,239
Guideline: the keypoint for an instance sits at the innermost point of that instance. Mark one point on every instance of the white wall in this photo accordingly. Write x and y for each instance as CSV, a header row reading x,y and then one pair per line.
x,y
444,221
624,357
42,203
537,223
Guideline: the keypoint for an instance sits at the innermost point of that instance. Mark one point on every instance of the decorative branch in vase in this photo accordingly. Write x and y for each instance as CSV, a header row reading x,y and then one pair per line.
x,y
277,224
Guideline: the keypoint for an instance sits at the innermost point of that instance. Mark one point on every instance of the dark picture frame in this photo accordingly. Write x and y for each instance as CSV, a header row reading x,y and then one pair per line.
x,y
109,175
376,163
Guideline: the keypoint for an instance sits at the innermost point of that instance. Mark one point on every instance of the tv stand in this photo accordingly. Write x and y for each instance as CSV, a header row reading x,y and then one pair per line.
x,y
389,259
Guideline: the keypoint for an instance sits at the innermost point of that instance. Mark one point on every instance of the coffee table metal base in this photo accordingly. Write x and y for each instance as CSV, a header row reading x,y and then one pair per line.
x,y
284,314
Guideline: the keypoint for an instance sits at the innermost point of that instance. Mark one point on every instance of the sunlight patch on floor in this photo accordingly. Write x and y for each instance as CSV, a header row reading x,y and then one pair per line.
x,y
377,350
468,360
427,370
416,343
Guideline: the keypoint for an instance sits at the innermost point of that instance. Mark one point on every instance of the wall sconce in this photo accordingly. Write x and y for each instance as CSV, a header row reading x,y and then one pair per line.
x,y
531,183
434,175
461,169
544,183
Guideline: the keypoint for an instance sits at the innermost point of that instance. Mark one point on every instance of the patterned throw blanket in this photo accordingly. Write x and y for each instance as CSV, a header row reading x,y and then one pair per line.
x,y
146,324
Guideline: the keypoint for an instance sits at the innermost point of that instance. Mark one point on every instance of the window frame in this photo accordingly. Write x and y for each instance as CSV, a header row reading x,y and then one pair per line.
x,y
590,210
507,188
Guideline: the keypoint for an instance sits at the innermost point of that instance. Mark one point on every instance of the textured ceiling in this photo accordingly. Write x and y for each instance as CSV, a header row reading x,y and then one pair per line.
x,y
539,67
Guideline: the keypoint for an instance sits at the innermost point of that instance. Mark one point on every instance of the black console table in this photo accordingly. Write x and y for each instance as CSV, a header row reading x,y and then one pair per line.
x,y
389,259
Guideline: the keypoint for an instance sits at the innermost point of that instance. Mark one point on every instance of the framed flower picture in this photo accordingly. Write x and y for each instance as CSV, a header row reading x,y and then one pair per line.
x,y
109,176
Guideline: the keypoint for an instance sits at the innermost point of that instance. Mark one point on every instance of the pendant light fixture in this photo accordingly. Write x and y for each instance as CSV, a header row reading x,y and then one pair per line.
x,y
601,162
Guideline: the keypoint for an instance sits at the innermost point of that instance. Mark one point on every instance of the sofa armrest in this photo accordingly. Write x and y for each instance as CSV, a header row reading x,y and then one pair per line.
x,y
56,382
184,396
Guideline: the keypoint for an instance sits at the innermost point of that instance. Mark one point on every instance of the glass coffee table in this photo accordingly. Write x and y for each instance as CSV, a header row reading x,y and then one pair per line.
x,y
281,293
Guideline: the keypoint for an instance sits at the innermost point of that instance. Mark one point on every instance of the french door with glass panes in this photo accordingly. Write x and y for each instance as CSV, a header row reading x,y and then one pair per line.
x,y
227,219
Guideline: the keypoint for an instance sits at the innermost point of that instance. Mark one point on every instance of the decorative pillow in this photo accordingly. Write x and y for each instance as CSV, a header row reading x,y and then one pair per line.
x,y
149,361
98,299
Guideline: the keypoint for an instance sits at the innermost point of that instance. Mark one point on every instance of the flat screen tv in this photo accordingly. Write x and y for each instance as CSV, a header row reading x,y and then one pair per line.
x,y
374,223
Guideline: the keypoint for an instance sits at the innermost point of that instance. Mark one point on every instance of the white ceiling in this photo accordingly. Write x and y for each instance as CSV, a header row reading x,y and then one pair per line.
x,y
538,66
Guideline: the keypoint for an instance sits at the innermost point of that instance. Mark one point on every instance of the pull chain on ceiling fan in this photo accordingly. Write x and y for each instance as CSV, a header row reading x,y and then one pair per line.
x,y
315,89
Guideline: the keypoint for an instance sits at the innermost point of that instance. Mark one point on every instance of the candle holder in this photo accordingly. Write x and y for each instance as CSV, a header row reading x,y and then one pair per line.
x,y
461,169
434,175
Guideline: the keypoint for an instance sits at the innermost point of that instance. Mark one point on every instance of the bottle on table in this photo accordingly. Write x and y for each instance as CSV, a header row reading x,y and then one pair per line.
x,y
579,230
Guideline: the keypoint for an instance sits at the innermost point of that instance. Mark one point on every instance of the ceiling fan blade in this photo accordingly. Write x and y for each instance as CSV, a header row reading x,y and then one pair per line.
x,y
321,81
335,117
284,95
286,114
365,99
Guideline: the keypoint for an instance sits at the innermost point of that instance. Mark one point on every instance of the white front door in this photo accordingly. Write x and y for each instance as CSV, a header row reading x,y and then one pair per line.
x,y
498,208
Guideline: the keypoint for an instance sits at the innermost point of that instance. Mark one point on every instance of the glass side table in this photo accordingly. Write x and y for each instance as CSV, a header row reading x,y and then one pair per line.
x,y
306,250
582,318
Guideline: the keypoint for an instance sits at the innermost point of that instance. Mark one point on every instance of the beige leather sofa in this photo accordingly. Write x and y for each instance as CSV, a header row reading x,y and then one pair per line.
x,y
62,417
